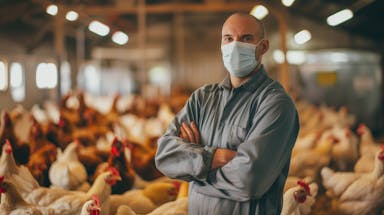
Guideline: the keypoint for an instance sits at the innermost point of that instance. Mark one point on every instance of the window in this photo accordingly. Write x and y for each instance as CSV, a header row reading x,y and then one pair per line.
x,y
17,82
46,76
65,77
92,79
3,77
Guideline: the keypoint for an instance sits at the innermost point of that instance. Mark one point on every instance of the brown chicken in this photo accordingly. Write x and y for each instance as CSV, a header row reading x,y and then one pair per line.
x,y
40,161
143,160
37,137
20,150
90,157
118,160
113,115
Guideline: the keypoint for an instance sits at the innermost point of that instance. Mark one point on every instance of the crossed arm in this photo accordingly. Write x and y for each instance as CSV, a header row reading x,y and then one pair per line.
x,y
191,134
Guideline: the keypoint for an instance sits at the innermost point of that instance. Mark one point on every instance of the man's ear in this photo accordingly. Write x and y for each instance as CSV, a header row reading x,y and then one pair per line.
x,y
264,46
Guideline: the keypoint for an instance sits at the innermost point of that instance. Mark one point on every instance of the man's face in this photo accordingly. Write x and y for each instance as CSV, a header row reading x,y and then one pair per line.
x,y
244,29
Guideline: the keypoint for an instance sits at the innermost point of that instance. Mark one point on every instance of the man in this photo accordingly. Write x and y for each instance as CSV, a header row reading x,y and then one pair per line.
x,y
233,140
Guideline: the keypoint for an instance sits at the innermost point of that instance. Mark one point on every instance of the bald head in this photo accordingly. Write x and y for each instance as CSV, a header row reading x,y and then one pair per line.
x,y
245,28
245,23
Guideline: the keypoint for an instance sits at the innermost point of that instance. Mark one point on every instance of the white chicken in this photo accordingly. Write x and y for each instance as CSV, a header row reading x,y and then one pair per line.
x,y
298,200
177,207
345,151
20,175
91,207
67,171
346,119
13,204
134,126
39,114
368,148
309,162
72,203
140,183
145,201
306,142
357,193
165,115
125,210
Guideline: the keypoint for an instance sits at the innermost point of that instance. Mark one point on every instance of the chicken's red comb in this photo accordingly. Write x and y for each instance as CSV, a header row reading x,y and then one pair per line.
x,y
360,129
114,171
8,147
96,199
304,185
115,152
61,122
77,143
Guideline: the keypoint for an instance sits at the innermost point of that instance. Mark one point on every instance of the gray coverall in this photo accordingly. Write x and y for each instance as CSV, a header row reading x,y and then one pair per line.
x,y
258,120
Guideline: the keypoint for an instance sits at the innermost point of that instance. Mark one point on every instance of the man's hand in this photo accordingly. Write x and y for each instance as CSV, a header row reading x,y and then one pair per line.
x,y
222,157
190,133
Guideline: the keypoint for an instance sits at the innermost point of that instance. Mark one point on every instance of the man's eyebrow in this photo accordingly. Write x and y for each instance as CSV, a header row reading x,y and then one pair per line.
x,y
227,35
247,35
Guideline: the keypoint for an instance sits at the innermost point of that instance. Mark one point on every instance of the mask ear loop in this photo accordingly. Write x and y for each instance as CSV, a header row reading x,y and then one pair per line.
x,y
257,45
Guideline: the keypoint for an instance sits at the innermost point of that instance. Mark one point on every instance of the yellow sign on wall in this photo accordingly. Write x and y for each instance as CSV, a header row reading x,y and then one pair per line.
x,y
326,78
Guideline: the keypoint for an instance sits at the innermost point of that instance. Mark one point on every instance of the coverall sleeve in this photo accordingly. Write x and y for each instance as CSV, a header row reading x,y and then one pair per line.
x,y
261,157
176,158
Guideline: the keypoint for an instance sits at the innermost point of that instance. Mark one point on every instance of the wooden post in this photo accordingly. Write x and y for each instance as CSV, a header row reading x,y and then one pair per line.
x,y
59,47
179,73
80,51
142,37
284,67
284,76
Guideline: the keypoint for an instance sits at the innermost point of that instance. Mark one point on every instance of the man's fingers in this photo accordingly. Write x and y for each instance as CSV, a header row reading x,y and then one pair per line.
x,y
183,134
195,132
189,132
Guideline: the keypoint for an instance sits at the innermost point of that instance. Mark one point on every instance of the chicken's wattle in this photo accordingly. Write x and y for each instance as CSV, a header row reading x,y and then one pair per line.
x,y
381,156
8,150
300,196
95,212
2,188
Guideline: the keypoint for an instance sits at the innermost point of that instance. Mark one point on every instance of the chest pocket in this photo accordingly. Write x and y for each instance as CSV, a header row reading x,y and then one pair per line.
x,y
236,136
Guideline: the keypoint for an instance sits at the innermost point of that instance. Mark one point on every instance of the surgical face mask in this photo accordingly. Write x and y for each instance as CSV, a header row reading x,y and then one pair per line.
x,y
239,58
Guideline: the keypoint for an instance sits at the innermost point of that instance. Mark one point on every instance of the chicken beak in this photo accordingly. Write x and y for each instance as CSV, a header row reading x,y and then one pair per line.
x,y
117,178
96,211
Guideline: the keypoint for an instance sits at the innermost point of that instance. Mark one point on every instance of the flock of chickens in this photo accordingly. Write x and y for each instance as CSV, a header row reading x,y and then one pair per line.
x,y
87,157
91,155
332,169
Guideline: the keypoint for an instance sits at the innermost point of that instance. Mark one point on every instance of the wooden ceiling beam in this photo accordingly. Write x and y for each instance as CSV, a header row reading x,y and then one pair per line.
x,y
170,8
12,12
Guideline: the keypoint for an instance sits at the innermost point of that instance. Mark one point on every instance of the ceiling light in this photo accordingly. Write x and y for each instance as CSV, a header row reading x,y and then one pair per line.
x,y
72,16
302,37
52,10
120,38
287,3
278,56
259,11
296,57
339,17
98,28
